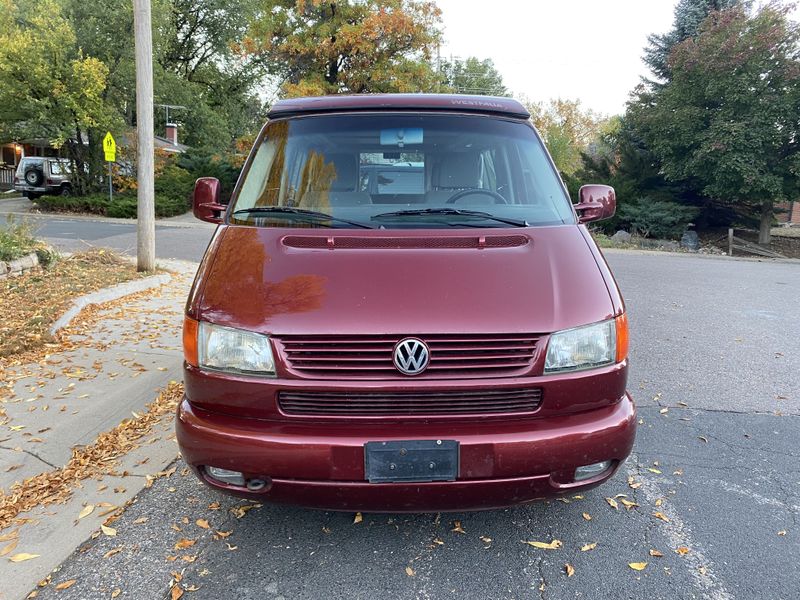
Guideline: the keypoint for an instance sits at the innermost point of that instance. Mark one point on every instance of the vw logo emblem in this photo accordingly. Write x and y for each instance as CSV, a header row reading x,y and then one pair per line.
x,y
411,356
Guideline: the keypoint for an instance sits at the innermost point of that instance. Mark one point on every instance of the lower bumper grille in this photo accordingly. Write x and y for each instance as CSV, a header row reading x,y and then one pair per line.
x,y
495,401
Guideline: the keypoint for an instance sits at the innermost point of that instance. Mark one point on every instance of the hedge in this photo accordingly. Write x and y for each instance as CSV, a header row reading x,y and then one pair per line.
x,y
123,205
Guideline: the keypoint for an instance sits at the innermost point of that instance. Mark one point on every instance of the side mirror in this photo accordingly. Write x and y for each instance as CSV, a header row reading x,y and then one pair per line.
x,y
205,201
596,202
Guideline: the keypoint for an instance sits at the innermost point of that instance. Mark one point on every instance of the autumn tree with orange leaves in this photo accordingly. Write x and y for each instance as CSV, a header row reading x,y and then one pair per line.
x,y
318,48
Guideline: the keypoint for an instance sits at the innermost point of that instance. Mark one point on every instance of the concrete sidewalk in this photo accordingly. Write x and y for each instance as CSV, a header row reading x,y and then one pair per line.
x,y
118,359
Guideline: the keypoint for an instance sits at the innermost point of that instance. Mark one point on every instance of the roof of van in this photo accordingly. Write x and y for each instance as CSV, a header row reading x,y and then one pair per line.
x,y
444,102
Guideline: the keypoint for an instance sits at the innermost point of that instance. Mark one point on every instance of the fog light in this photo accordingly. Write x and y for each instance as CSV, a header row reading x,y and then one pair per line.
x,y
226,476
591,471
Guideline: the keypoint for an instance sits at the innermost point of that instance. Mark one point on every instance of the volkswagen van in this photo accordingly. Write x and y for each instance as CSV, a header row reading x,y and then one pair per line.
x,y
402,310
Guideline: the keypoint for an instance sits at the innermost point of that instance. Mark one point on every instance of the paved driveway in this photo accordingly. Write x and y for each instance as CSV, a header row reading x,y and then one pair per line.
x,y
716,374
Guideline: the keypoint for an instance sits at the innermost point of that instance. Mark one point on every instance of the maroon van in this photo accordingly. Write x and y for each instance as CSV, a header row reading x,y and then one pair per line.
x,y
401,310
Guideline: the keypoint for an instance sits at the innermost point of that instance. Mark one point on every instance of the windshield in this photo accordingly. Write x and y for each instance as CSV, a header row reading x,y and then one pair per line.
x,y
400,171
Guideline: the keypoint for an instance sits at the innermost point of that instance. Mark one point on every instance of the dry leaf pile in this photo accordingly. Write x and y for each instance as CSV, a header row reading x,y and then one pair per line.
x,y
30,304
95,459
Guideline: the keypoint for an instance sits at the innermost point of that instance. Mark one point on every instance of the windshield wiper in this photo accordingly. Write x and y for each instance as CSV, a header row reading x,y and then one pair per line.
x,y
301,212
449,211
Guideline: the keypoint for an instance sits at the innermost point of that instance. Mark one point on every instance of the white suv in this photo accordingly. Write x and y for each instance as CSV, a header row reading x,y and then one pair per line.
x,y
38,175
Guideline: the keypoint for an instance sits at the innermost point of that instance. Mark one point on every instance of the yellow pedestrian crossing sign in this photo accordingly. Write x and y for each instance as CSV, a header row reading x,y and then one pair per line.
x,y
110,148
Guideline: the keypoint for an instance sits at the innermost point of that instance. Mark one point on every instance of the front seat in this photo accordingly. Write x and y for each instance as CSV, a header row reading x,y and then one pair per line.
x,y
457,171
342,190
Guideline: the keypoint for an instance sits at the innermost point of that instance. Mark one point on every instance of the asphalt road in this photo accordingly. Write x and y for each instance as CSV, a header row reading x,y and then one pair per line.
x,y
714,341
181,241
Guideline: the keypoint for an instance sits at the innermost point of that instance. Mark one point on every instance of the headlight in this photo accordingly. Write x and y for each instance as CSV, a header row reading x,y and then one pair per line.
x,y
236,350
582,348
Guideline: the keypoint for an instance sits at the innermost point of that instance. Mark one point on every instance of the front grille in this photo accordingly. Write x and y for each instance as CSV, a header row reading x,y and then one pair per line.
x,y
494,401
371,357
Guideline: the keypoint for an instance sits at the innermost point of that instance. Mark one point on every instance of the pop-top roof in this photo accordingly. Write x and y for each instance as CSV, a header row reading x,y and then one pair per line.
x,y
444,102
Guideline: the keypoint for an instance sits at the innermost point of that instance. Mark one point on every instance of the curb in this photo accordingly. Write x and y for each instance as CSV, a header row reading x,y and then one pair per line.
x,y
19,266
107,295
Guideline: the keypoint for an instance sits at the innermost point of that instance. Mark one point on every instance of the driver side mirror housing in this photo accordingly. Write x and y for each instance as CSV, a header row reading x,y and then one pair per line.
x,y
205,200
596,202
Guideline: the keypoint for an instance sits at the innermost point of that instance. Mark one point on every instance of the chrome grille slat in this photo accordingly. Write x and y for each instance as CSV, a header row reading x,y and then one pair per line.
x,y
370,356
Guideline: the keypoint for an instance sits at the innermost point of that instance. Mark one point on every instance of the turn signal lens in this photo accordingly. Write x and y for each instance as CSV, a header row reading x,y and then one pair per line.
x,y
190,327
622,337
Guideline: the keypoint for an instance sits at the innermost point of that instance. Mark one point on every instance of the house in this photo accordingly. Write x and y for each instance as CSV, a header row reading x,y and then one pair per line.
x,y
12,152
790,213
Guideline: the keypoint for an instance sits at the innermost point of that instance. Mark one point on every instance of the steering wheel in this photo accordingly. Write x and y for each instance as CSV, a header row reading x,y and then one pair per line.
x,y
498,199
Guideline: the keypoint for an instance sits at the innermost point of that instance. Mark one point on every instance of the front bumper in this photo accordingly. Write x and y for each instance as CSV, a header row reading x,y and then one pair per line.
x,y
322,465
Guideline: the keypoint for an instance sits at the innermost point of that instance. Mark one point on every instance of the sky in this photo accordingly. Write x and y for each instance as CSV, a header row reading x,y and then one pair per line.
x,y
585,49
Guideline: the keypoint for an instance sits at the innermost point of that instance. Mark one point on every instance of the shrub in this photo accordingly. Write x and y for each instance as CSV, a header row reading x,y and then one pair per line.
x,y
202,164
175,183
123,206
656,218
16,240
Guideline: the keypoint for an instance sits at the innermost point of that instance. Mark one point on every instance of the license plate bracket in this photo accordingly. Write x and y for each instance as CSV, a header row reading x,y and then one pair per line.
x,y
411,461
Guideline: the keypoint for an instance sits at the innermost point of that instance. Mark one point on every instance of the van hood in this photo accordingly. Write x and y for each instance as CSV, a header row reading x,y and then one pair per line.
x,y
290,281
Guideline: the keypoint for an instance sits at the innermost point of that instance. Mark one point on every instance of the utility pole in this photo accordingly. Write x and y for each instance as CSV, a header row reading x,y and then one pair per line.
x,y
146,220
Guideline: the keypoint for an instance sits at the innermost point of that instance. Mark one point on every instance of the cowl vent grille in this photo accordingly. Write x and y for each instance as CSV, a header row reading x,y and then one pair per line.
x,y
404,243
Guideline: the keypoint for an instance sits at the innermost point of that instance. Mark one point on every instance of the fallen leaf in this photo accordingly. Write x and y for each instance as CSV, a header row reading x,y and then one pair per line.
x,y
66,584
410,572
682,550
176,592
703,439
554,545
358,518
587,516
664,411
782,532
9,547
654,552
109,531
184,543
652,470
587,547
439,542
612,503
223,534
662,516
23,556
486,540
214,506
140,520
569,569
9,536
202,523
113,551
87,510
637,566
457,527
230,547
628,504
703,570
115,593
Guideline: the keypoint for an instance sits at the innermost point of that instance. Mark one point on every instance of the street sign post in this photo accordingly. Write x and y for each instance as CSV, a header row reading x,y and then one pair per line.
x,y
110,150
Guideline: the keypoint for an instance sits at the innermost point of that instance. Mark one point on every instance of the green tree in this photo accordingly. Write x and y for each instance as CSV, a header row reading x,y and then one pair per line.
x,y
689,16
317,47
728,119
567,130
48,87
472,76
